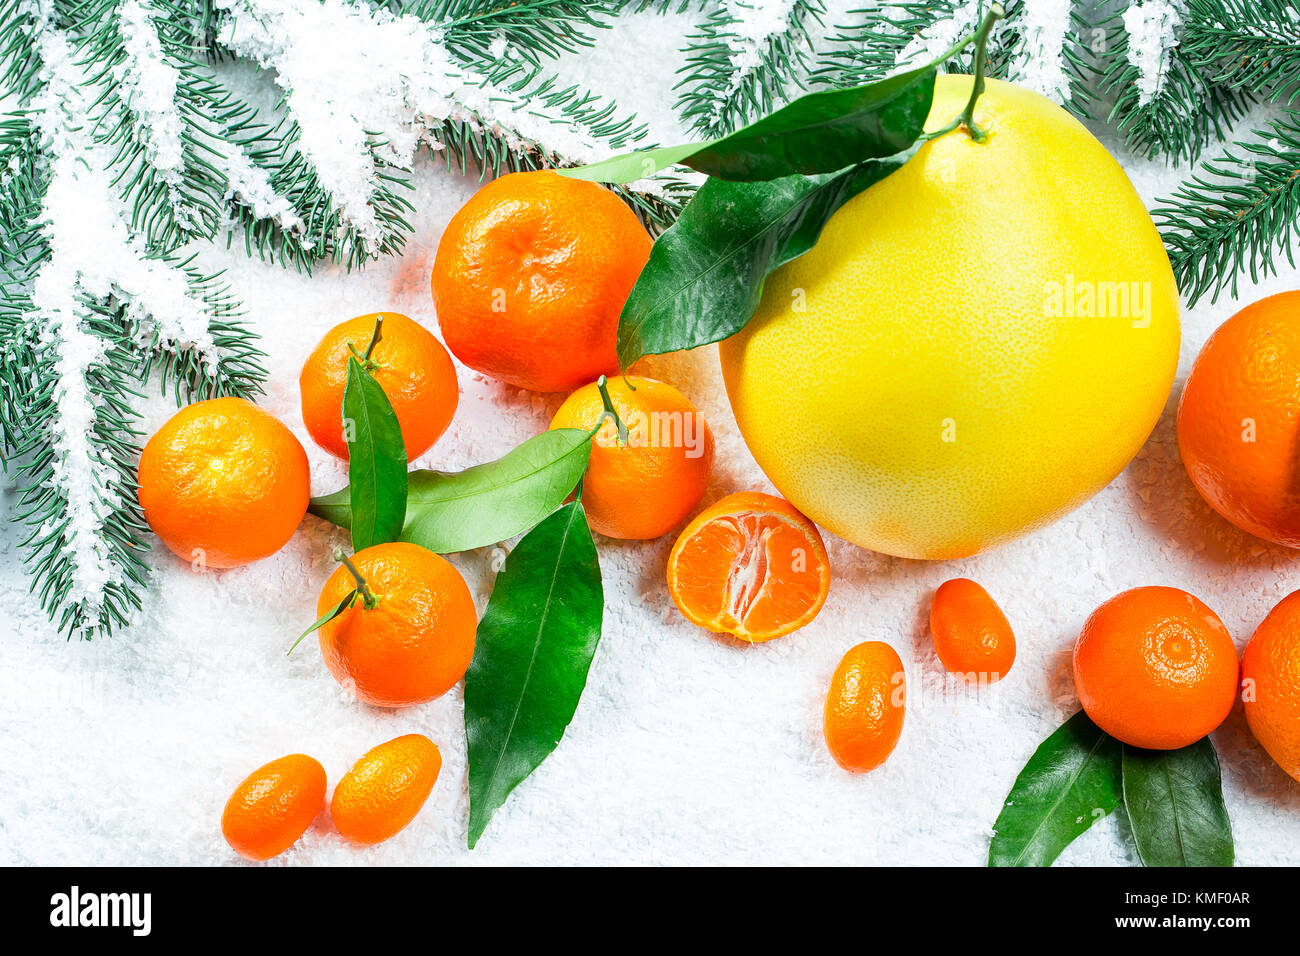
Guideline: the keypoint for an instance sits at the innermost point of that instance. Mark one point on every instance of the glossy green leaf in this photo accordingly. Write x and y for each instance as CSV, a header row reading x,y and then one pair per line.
x,y
376,461
1071,782
535,645
817,133
325,618
456,511
705,275
1174,800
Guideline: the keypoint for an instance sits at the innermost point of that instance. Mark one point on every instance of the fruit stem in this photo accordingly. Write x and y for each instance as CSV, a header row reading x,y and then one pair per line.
x,y
366,361
981,37
602,386
367,596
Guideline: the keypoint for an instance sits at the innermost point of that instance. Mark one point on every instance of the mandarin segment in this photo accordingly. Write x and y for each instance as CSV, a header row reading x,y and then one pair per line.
x,y
223,483
414,370
971,634
1156,668
751,566
531,275
648,484
385,789
415,643
273,806
1270,673
863,717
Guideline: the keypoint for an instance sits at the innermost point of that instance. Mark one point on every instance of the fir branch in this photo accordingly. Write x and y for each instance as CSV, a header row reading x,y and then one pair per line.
x,y
85,547
532,29
20,23
152,111
1235,213
731,77
881,39
1184,114
1249,45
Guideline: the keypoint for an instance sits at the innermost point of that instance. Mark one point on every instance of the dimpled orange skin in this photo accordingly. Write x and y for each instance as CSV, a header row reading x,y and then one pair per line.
x,y
864,707
274,806
415,372
1239,420
531,275
224,483
1155,668
385,789
650,485
416,643
1270,674
971,635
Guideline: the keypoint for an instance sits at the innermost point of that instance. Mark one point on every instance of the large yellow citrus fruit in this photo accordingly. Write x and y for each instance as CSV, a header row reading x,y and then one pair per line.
x,y
976,345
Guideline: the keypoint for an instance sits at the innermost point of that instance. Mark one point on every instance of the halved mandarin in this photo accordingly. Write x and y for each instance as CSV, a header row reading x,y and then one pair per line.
x,y
751,566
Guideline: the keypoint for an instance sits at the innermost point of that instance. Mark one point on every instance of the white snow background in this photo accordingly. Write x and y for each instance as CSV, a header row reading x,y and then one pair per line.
x,y
686,749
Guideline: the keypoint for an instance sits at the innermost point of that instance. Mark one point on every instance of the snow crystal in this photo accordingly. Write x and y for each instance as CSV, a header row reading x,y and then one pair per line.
x,y
1040,61
939,37
149,88
1152,28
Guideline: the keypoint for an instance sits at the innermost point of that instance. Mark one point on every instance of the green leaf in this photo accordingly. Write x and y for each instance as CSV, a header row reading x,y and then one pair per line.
x,y
706,273
1071,782
1175,806
325,618
456,511
535,645
817,133
376,461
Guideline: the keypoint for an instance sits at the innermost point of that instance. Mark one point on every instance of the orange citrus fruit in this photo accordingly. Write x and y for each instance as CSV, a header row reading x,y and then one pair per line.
x,y
647,482
223,483
274,806
417,639
971,634
864,707
531,275
750,566
1155,668
411,366
385,789
1270,672
1239,419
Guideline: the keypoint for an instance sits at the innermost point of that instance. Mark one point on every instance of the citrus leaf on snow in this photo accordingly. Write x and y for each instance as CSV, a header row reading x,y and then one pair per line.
x,y
705,275
456,511
534,648
1174,800
1071,782
817,133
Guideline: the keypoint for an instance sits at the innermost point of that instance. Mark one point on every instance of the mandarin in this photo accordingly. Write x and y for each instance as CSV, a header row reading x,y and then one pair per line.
x,y
1270,673
409,635
1239,419
223,483
531,275
1155,668
643,483
750,566
410,365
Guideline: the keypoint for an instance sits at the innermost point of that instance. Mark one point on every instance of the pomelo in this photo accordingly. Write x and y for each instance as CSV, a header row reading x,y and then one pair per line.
x,y
976,345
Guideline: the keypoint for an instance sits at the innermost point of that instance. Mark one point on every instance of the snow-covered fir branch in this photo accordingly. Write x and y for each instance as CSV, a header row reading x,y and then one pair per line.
x,y
749,56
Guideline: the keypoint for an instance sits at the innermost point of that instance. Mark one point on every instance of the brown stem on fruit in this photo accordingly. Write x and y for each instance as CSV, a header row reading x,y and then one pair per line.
x,y
367,596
